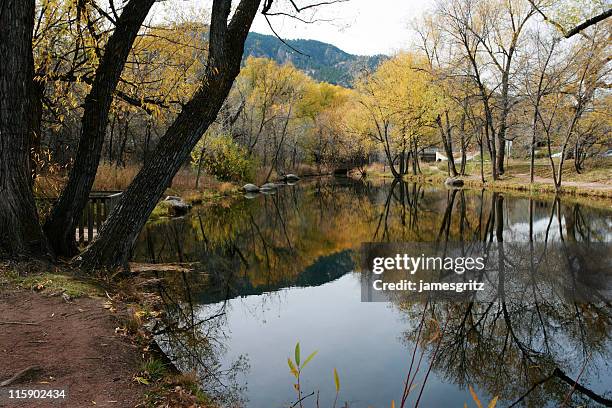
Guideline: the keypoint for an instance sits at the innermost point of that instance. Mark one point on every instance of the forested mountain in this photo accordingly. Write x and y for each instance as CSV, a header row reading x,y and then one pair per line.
x,y
322,61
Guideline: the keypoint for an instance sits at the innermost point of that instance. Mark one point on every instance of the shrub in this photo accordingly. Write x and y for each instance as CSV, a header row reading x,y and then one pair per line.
x,y
224,159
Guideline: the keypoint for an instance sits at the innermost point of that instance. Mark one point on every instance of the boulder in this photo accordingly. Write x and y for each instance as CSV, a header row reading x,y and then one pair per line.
x,y
173,198
291,177
250,188
269,187
176,206
454,182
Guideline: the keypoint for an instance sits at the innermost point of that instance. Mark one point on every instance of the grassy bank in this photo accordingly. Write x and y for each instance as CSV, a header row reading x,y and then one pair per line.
x,y
595,182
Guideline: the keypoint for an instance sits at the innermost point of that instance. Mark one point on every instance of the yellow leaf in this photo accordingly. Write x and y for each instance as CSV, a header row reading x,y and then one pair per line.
x,y
337,380
493,403
294,370
475,397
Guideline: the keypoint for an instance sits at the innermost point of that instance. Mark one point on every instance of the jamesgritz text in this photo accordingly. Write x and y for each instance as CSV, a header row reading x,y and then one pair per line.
x,y
421,286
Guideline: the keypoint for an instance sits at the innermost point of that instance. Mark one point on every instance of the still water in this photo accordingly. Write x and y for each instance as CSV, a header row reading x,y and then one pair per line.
x,y
278,269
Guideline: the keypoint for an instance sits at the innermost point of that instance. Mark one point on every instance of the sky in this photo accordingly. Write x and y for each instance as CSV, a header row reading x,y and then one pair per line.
x,y
364,27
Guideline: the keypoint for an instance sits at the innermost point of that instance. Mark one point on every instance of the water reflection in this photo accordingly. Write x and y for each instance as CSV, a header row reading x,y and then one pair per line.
x,y
279,268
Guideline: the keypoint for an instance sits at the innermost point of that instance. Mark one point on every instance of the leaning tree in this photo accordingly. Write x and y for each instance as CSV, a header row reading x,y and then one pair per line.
x,y
113,245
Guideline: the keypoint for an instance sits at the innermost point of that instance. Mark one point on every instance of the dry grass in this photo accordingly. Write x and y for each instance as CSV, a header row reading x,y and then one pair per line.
x,y
110,178
113,178
305,170
378,170
302,170
261,173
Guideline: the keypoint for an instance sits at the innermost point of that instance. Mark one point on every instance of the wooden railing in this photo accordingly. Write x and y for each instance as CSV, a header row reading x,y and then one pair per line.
x,y
98,208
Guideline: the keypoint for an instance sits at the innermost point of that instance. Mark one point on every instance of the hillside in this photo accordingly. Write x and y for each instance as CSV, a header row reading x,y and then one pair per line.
x,y
322,61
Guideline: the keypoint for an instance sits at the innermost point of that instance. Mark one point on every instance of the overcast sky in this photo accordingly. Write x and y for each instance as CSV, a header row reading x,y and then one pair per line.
x,y
363,27
356,26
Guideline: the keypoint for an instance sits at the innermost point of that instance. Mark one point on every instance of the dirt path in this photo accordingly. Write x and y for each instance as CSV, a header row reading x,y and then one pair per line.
x,y
75,345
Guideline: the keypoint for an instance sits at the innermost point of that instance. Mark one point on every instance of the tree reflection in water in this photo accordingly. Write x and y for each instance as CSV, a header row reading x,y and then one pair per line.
x,y
533,350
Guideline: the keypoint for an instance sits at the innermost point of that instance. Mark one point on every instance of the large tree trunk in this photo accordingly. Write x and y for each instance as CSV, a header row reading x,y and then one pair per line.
x,y
113,245
61,223
20,232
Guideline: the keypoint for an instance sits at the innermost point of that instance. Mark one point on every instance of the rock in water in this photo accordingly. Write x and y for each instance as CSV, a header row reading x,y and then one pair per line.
x,y
453,182
269,187
173,198
291,177
250,188
176,206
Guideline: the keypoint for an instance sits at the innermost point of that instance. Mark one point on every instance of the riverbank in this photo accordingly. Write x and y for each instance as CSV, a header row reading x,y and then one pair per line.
x,y
62,329
541,187
594,183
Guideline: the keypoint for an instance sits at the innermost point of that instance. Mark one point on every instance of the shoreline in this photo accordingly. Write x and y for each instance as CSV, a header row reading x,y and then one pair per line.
x,y
538,189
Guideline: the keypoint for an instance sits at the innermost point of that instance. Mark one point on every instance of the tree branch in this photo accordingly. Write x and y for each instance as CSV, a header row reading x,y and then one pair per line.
x,y
577,29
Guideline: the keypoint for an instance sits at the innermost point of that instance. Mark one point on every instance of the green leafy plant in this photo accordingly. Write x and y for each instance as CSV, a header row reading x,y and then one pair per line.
x,y
152,369
296,368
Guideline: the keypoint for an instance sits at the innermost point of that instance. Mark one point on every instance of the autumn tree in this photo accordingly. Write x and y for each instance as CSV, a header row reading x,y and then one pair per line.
x,y
399,108
323,107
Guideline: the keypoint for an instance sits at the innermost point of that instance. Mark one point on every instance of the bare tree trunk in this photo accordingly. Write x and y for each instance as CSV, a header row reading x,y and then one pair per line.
x,y
114,242
501,133
61,223
445,135
200,160
480,142
570,132
274,163
20,231
387,149
536,112
110,140
532,147
464,142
